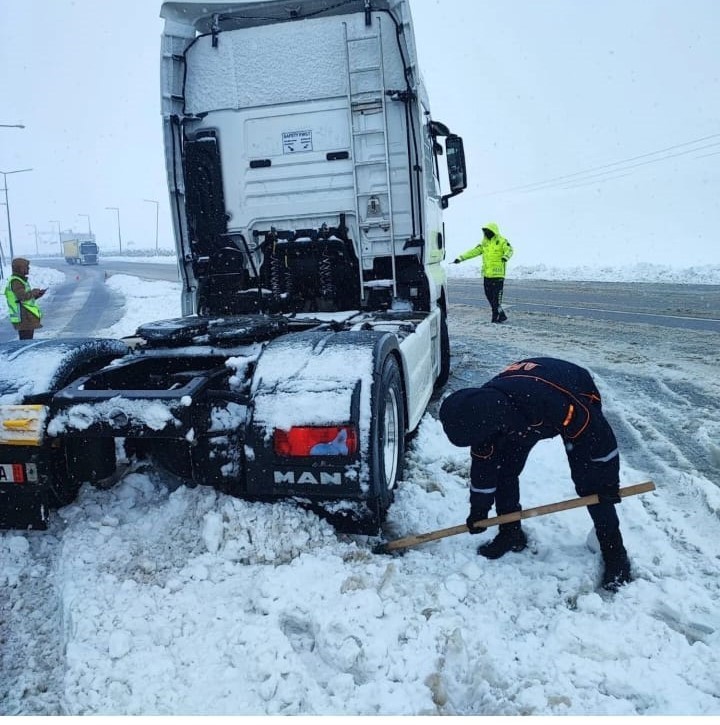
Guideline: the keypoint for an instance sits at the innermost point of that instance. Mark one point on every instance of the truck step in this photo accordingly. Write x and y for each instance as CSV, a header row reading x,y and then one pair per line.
x,y
368,224
378,283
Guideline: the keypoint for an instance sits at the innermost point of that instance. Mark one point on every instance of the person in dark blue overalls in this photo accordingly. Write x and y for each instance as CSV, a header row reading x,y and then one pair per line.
x,y
531,400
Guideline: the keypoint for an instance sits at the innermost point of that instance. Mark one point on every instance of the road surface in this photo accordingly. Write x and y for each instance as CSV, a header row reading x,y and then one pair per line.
x,y
692,307
84,304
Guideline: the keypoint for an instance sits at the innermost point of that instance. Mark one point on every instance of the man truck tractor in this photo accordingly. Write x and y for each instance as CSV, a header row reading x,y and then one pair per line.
x,y
304,171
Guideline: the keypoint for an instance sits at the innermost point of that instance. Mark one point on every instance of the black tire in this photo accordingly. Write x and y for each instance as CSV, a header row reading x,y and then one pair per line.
x,y
387,444
73,358
62,465
442,378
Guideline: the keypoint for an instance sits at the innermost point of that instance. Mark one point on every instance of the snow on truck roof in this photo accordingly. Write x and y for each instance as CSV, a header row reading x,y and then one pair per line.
x,y
247,13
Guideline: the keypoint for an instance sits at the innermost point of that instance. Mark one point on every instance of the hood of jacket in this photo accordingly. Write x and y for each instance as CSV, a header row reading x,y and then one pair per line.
x,y
474,416
493,227
20,266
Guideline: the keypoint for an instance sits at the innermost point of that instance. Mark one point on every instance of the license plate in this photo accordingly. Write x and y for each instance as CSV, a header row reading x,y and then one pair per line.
x,y
18,473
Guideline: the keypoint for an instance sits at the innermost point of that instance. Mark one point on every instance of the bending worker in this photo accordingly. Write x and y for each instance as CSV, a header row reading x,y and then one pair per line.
x,y
496,251
501,421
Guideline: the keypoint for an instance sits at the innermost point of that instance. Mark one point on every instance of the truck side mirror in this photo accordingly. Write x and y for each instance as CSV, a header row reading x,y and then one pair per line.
x,y
457,173
456,163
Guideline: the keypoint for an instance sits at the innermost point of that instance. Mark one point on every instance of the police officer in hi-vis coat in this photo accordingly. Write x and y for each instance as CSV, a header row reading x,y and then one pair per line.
x,y
496,251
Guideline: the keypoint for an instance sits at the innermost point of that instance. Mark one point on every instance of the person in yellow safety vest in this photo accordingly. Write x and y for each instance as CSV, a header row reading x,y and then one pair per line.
x,y
25,314
496,251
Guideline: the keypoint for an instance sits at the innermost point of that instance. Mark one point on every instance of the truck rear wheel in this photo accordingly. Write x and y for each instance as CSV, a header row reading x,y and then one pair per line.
x,y
387,445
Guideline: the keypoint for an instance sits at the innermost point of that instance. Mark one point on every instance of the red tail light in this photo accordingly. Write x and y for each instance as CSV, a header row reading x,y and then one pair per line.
x,y
337,440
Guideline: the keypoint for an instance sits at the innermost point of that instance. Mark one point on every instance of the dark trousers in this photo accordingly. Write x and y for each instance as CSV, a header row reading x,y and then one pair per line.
x,y
494,292
499,466
25,334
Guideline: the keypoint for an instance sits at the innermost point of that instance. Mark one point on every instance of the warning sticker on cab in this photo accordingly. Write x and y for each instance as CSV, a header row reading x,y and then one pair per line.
x,y
294,141
18,473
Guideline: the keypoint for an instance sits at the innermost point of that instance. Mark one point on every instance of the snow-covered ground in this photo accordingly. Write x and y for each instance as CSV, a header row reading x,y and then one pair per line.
x,y
700,274
154,598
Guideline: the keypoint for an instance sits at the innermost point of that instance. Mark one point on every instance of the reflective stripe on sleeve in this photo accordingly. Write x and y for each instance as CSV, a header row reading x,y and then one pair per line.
x,y
607,458
482,490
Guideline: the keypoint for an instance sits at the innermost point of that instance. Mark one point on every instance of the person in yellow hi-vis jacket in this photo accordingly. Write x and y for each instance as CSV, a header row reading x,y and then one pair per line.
x,y
496,251
24,312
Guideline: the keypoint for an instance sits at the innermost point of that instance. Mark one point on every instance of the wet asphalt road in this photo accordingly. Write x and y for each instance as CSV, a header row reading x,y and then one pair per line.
x,y
693,307
83,304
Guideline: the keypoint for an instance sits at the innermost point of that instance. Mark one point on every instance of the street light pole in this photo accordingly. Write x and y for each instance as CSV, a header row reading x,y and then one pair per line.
x,y
157,216
55,221
88,218
117,210
7,206
37,248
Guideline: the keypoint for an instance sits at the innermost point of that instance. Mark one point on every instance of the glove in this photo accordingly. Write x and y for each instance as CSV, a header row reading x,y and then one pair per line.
x,y
609,495
476,515
456,261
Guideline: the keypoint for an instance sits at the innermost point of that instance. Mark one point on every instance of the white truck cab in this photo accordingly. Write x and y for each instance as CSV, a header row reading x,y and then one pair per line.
x,y
302,157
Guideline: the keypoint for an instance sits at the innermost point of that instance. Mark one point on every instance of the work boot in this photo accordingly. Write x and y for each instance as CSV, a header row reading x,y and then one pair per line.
x,y
502,317
617,565
510,538
616,574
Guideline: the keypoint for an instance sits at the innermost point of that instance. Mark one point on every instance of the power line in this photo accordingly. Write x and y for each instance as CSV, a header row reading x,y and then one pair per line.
x,y
565,177
598,177
594,181
618,163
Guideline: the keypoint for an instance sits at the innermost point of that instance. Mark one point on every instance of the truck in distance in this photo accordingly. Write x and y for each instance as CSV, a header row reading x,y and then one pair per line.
x,y
81,250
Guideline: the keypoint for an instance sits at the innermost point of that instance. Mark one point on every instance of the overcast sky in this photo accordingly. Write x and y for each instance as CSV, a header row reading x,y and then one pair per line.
x,y
592,130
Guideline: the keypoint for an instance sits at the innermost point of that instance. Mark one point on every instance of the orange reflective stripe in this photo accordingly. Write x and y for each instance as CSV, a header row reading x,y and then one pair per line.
x,y
562,390
521,366
568,417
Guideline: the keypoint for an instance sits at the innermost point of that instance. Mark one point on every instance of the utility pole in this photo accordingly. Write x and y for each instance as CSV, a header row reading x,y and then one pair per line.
x,y
157,216
37,248
88,218
7,206
117,210
55,221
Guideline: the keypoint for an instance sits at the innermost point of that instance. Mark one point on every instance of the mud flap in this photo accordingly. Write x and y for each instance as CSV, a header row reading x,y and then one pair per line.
x,y
23,507
324,378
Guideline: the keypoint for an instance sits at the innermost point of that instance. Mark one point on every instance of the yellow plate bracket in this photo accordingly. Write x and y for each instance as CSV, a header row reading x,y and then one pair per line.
x,y
22,425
